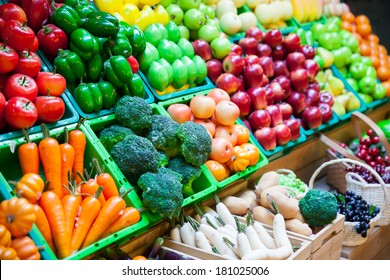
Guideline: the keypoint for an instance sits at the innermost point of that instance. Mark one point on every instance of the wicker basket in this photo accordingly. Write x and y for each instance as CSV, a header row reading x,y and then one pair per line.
x,y
292,191
336,173
376,196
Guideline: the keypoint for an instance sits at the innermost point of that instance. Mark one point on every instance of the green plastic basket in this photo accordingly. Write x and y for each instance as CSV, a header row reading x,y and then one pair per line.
x,y
201,186
70,116
234,177
10,168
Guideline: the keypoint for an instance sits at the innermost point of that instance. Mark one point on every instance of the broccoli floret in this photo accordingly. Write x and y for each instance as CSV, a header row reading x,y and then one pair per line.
x,y
188,171
135,156
195,142
135,113
113,134
318,207
162,134
162,192
163,158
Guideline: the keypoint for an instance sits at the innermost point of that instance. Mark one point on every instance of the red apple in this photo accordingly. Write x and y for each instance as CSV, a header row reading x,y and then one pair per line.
x,y
243,101
280,68
202,48
299,79
286,85
273,38
252,75
295,128
295,60
258,97
312,69
233,63
251,59
266,138
180,112
214,69
291,42
228,82
241,84
278,91
312,117
282,133
286,110
275,113
264,81
218,95
316,85
278,53
312,97
236,49
248,45
258,119
255,32
326,97
248,126
297,101
326,111
269,95
308,51
263,50
267,65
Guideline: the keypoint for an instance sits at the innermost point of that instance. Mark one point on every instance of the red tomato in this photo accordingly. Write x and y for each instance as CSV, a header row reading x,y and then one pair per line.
x,y
133,62
10,11
51,38
3,103
8,59
18,36
50,108
50,83
29,64
2,23
35,46
19,85
20,113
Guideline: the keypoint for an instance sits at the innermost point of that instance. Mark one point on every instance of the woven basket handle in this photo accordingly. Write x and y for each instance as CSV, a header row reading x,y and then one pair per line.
x,y
335,145
357,115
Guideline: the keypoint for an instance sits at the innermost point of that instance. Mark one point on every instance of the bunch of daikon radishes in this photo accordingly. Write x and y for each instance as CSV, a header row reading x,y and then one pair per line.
x,y
219,231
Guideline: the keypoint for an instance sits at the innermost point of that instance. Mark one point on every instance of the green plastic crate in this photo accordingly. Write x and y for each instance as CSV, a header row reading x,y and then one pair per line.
x,y
10,168
201,186
234,177
70,116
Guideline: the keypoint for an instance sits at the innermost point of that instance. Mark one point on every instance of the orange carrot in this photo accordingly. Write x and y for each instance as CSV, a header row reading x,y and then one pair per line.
x,y
90,187
130,217
28,155
105,180
67,159
50,155
44,227
51,205
109,213
90,208
78,140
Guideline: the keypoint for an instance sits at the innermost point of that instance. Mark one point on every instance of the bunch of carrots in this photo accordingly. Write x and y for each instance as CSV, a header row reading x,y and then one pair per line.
x,y
72,212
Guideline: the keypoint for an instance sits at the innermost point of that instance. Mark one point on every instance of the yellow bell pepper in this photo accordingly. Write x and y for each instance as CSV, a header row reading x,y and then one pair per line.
x,y
161,15
146,17
109,6
130,13
134,2
150,3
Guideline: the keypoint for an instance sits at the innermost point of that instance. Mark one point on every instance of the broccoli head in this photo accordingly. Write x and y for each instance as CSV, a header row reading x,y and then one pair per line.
x,y
113,134
318,207
163,158
195,142
188,171
135,156
161,192
162,134
135,113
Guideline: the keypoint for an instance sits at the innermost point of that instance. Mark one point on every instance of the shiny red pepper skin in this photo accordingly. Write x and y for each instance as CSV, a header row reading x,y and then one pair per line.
x,y
51,38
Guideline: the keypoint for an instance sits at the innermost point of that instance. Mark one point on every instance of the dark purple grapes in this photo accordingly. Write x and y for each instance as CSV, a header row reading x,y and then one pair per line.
x,y
367,175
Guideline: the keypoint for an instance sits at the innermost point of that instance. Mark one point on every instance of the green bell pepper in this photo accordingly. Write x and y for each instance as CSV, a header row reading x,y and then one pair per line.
x,y
138,41
118,46
84,44
117,70
126,29
94,68
74,3
70,65
83,10
109,93
109,74
134,88
66,18
101,24
88,97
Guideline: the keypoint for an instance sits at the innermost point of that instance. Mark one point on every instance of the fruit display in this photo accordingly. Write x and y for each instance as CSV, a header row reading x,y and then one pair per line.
x,y
307,10
333,8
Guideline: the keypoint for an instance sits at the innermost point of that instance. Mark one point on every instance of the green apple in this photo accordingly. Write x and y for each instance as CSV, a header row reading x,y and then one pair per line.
x,y
184,32
191,69
342,56
207,10
186,48
230,23
201,69
353,83
220,47
379,92
166,50
162,30
215,22
153,35
356,57
157,76
351,42
371,72
367,85
177,51
168,68
175,14
194,19
208,32
173,31
189,4
366,98
366,60
148,56
357,70
334,24
180,74
330,40
317,29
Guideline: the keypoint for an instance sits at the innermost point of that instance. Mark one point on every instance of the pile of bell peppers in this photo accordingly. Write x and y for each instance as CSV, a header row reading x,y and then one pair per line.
x,y
100,63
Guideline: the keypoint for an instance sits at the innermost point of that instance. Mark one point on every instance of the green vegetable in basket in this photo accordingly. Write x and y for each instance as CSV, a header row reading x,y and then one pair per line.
x,y
296,185
385,126
113,134
318,207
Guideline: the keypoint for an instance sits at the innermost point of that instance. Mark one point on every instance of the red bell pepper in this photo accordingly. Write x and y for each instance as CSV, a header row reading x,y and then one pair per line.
x,y
52,38
18,35
37,12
